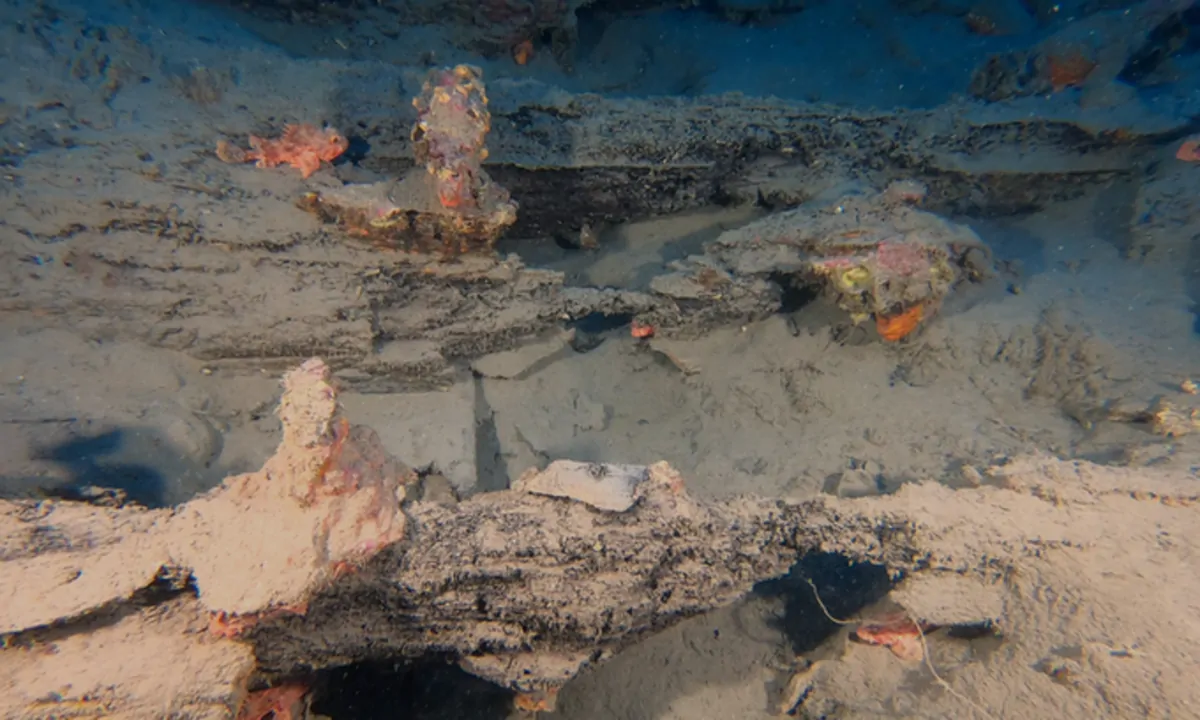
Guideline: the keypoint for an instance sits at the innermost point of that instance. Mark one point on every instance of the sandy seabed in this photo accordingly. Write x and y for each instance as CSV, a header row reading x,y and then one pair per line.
x,y
1050,375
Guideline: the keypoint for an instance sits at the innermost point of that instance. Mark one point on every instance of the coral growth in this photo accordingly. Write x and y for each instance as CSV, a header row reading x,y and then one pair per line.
x,y
876,278
537,701
899,325
898,632
523,52
508,23
329,496
1189,150
1068,70
873,254
448,202
304,147
452,124
232,625
282,702
641,330
1100,54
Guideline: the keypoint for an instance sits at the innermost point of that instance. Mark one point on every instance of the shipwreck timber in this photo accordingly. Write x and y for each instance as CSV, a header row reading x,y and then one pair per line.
x,y
331,555
176,257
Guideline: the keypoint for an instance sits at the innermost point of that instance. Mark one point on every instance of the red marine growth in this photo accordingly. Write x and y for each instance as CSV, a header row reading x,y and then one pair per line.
x,y
447,204
304,147
452,123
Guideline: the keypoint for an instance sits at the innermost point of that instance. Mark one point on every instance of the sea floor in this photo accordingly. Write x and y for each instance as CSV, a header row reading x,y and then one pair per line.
x,y
1077,319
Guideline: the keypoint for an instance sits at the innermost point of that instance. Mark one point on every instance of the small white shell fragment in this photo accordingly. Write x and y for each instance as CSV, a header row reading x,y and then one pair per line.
x,y
600,485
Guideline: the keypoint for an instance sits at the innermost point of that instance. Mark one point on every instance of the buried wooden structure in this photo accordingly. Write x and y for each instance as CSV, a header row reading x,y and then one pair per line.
x,y
332,554
184,261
